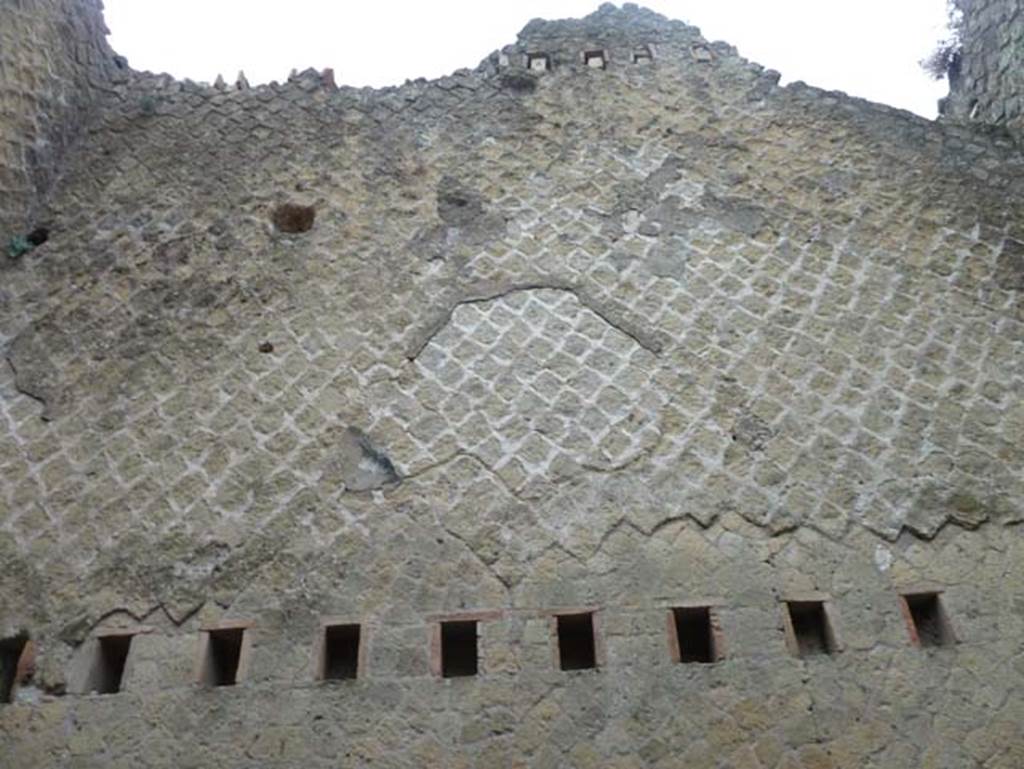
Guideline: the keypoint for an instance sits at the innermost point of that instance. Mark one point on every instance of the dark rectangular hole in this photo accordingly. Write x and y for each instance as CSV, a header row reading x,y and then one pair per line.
x,y
576,648
459,655
10,655
538,62
341,652
108,667
694,634
929,619
223,653
811,628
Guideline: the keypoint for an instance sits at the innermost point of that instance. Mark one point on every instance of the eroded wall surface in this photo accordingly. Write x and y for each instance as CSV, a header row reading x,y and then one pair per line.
x,y
612,338
54,59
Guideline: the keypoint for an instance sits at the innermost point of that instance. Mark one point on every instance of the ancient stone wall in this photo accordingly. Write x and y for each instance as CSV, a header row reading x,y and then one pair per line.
x,y
988,78
53,59
611,324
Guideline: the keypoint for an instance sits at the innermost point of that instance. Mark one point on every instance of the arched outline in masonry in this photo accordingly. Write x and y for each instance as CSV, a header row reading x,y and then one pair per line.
x,y
614,315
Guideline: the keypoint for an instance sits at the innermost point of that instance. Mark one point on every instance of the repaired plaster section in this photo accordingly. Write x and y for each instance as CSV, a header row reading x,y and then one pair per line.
x,y
531,380
359,464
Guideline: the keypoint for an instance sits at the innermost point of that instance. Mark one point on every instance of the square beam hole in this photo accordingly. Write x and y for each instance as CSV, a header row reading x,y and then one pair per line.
x,y
642,55
108,665
538,62
459,653
340,658
223,656
10,655
594,59
695,634
929,625
812,632
576,646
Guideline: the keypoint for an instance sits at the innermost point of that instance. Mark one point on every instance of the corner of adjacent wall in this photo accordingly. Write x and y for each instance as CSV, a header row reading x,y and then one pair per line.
x,y
987,80
54,61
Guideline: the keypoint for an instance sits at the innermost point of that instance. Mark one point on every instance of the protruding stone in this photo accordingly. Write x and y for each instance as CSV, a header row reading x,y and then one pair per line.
x,y
701,53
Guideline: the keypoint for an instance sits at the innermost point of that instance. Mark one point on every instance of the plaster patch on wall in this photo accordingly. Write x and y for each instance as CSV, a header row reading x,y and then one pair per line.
x,y
532,383
883,558
360,465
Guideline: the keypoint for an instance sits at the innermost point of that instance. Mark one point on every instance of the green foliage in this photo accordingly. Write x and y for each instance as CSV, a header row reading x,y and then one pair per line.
x,y
148,105
18,246
945,59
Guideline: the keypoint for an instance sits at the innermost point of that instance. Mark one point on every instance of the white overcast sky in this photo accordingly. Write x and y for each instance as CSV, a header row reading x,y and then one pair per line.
x,y
868,48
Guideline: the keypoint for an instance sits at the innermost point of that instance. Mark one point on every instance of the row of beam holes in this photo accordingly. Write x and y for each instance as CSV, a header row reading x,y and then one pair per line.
x,y
692,627
597,59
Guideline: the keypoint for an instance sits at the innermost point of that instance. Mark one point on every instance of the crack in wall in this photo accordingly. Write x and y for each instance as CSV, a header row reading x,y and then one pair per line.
x,y
25,386
462,454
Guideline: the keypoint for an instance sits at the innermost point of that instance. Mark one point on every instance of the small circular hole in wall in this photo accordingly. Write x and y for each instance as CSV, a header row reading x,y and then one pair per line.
x,y
38,236
293,217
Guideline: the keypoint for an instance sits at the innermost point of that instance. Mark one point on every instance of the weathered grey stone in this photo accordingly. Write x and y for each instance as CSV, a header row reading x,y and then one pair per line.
x,y
735,213
752,432
1010,266
668,259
